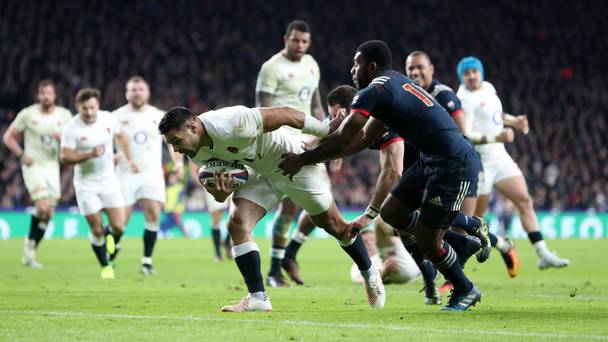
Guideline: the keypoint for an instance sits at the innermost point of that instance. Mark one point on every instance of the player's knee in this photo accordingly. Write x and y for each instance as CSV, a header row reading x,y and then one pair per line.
x,y
524,201
237,228
97,231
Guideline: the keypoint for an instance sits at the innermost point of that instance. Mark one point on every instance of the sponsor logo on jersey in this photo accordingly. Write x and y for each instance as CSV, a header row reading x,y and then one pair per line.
x,y
140,137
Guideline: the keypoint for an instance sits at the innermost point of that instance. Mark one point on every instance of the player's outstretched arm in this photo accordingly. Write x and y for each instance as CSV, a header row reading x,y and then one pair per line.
x,y
328,148
275,117
519,122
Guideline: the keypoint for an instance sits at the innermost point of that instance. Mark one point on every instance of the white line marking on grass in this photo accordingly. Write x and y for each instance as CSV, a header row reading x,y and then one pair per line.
x,y
392,327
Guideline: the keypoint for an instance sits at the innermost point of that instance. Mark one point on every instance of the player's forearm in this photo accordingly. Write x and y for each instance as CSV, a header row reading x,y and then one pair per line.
x,y
70,157
275,117
12,144
123,144
317,106
386,181
328,148
482,139
461,123
508,119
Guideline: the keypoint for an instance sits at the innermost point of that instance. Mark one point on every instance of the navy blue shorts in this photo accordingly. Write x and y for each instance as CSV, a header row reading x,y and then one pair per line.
x,y
443,184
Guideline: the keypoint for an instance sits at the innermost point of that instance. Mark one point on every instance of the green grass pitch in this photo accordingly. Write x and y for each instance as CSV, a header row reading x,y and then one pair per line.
x,y
68,301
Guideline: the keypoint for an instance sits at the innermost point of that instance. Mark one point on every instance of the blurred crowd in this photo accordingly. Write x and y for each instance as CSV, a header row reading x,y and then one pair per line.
x,y
545,58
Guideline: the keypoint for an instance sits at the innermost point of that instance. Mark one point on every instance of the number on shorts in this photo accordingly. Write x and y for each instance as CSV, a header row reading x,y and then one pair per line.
x,y
412,90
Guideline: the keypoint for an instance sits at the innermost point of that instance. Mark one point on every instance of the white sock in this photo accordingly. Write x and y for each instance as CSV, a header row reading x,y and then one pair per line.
x,y
346,243
541,247
299,237
366,274
501,244
259,295
146,260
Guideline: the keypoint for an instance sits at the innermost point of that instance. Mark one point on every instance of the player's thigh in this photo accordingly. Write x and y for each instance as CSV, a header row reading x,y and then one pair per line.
x,y
110,194
515,189
130,184
468,205
42,182
244,214
310,189
481,205
88,200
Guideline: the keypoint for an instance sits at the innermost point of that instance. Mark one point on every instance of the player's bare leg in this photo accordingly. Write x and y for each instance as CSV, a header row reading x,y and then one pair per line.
x,y
151,209
352,243
40,220
98,243
300,235
114,230
216,220
516,190
404,218
286,213
244,214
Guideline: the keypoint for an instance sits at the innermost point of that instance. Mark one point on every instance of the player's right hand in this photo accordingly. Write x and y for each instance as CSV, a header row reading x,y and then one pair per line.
x,y
222,188
97,151
507,135
335,165
27,161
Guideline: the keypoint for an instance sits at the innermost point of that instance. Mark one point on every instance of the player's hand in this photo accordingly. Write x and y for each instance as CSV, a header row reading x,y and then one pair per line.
x,y
25,160
57,136
134,168
97,151
336,164
521,124
222,188
116,158
290,164
336,120
361,222
507,135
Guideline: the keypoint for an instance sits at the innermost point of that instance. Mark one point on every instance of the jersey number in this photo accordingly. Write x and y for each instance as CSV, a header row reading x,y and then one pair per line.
x,y
412,90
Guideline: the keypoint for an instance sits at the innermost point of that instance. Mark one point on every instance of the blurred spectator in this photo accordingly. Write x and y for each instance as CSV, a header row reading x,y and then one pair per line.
x,y
544,58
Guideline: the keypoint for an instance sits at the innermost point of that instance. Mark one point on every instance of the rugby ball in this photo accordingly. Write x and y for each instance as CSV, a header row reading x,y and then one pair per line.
x,y
206,173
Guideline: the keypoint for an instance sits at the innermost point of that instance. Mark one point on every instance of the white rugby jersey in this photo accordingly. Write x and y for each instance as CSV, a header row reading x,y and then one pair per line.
x,y
483,112
145,141
83,138
238,135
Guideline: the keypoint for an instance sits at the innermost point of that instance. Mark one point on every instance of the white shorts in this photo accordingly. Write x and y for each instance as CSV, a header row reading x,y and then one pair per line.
x,y
213,205
142,185
91,198
42,181
310,189
497,165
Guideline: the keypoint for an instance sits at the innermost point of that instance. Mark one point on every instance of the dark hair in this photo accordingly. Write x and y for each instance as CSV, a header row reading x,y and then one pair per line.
x,y
378,52
46,83
85,94
419,53
174,119
298,25
136,78
342,95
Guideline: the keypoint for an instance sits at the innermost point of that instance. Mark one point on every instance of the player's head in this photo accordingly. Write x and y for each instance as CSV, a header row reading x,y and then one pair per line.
x,y
137,92
180,129
370,59
419,68
87,103
341,97
45,94
297,39
470,72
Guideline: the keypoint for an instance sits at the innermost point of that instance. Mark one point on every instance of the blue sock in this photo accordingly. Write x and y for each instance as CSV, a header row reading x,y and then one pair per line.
x,y
357,251
458,243
426,267
249,264
447,263
468,223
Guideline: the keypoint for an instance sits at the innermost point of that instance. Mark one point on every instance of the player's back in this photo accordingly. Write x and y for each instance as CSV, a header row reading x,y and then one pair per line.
x,y
408,110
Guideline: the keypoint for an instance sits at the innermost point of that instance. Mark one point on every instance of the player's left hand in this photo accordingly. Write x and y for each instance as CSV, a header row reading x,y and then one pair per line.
x,y
290,164
521,124
336,120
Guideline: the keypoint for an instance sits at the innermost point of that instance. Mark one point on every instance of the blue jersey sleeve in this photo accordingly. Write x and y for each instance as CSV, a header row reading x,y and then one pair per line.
x,y
365,101
385,140
448,100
